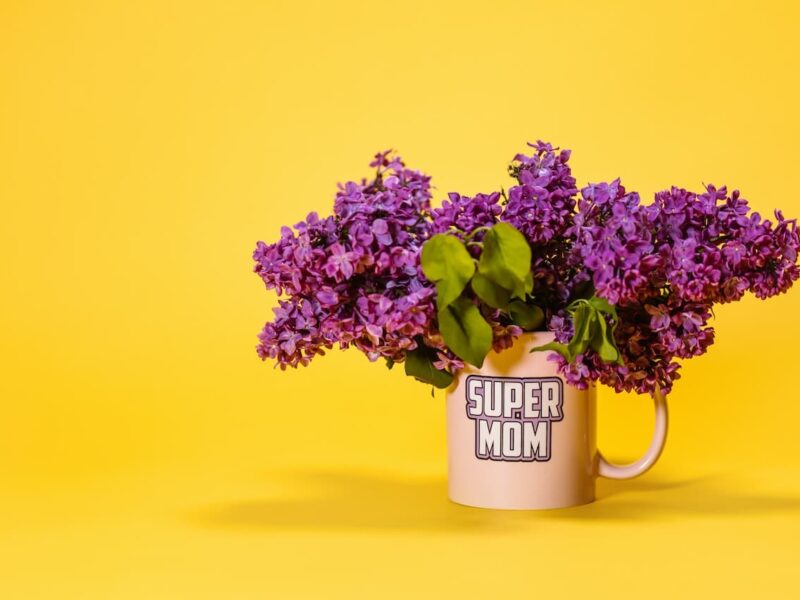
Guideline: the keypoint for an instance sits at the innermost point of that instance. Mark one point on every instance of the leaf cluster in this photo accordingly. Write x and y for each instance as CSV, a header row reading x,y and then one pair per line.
x,y
501,278
590,330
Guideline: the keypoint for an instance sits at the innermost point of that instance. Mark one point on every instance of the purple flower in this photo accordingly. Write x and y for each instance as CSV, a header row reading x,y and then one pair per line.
x,y
659,317
381,231
340,263
462,214
354,279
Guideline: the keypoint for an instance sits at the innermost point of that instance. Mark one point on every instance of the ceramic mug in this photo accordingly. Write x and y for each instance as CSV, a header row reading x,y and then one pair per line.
x,y
520,437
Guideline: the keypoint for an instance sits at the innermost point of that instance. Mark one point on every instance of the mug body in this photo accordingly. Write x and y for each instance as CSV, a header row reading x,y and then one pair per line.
x,y
518,436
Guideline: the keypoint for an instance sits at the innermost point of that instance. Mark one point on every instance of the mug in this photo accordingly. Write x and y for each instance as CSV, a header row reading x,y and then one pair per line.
x,y
520,437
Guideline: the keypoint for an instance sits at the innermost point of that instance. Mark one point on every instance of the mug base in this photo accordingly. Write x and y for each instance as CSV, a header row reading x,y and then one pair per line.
x,y
499,504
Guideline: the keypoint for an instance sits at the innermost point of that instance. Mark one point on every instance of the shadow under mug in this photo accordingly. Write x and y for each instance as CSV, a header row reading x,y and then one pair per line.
x,y
520,437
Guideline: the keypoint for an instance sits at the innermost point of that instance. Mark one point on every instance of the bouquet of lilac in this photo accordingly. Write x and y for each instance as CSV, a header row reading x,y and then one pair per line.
x,y
626,287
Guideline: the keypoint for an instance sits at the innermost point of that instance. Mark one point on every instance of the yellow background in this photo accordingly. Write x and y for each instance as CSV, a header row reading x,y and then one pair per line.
x,y
146,452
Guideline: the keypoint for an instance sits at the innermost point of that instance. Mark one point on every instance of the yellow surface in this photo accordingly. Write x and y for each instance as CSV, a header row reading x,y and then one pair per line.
x,y
145,451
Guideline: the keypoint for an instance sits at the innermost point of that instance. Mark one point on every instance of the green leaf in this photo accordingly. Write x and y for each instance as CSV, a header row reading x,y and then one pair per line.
x,y
465,331
506,259
528,282
583,320
527,316
389,363
590,330
488,291
555,347
419,365
446,262
603,305
603,343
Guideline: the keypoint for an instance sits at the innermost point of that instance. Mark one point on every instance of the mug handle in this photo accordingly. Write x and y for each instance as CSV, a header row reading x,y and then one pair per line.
x,y
611,471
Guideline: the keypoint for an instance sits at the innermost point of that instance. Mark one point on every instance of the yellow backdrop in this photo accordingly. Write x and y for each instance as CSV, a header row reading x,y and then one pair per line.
x,y
146,452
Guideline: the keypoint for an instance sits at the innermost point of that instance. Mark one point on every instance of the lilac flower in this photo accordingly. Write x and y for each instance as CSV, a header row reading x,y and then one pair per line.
x,y
665,265
659,317
462,214
353,279
381,231
340,263
541,206
446,362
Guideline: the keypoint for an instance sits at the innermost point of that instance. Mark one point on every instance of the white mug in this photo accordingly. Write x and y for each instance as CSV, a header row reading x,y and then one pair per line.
x,y
520,437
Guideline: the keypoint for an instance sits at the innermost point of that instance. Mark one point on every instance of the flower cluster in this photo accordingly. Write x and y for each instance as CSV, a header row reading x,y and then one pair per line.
x,y
542,207
354,278
665,265
462,214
